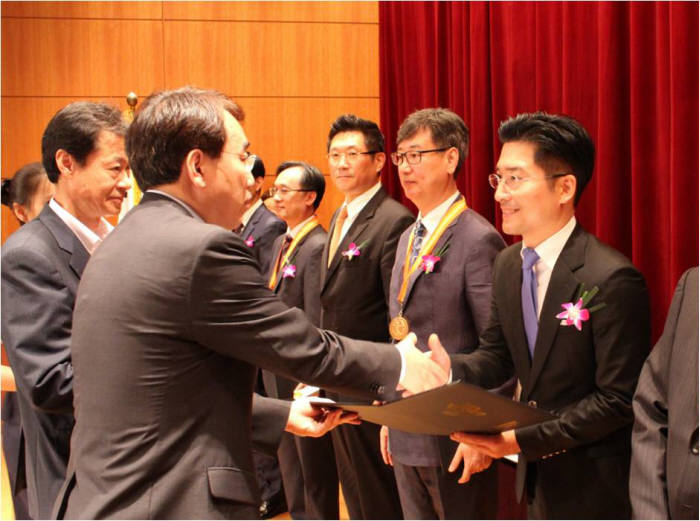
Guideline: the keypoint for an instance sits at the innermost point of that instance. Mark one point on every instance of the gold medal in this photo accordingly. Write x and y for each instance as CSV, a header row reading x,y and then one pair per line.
x,y
398,328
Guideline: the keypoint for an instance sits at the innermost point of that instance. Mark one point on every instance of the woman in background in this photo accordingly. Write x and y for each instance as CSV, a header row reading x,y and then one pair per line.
x,y
25,194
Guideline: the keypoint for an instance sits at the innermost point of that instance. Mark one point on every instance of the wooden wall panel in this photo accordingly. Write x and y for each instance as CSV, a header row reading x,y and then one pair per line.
x,y
124,10
68,57
293,66
356,12
273,59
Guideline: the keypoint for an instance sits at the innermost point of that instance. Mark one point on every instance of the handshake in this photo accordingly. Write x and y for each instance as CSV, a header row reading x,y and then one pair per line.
x,y
421,371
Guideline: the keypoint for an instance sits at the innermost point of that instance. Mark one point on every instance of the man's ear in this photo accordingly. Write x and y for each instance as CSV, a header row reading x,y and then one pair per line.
x,y
379,160
452,160
567,187
310,198
64,162
193,168
20,212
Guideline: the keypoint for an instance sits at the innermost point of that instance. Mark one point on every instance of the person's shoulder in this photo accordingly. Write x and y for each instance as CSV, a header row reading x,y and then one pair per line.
x,y
604,259
391,207
476,225
31,237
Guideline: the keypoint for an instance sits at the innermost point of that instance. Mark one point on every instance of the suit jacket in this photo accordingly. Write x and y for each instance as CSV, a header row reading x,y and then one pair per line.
x,y
164,369
41,266
301,292
264,227
454,302
579,463
664,471
355,293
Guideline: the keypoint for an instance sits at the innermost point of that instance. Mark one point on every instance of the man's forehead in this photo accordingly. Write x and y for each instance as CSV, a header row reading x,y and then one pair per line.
x,y
421,138
291,174
349,139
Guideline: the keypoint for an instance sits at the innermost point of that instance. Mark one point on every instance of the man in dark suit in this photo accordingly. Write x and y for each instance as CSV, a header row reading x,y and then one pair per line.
x,y
260,226
307,465
442,262
572,355
664,470
356,272
187,318
83,154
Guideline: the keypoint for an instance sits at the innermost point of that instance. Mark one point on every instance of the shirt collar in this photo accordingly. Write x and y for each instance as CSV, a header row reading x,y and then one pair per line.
x,y
356,205
87,237
550,249
294,231
178,201
432,218
250,211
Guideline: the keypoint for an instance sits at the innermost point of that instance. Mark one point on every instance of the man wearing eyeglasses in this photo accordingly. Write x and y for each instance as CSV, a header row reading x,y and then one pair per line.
x,y
570,318
171,320
307,465
355,276
441,283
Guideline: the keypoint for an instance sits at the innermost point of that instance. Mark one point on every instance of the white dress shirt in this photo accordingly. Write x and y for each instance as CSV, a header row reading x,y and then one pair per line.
x,y
432,218
549,251
355,207
293,232
88,238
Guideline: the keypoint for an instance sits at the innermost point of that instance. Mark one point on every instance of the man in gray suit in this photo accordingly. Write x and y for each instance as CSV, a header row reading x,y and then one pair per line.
x,y
442,262
308,465
171,319
83,155
664,469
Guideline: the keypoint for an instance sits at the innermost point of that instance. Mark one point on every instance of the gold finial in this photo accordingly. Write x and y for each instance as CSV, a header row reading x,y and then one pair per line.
x,y
132,99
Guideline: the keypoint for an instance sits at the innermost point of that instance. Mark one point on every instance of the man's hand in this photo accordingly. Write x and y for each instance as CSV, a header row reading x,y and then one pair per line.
x,y
310,420
438,353
474,461
384,445
493,445
422,373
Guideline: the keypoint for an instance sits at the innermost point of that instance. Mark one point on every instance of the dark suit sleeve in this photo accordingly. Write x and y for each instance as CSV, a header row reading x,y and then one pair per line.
x,y
648,483
235,314
621,343
312,285
396,228
269,420
37,318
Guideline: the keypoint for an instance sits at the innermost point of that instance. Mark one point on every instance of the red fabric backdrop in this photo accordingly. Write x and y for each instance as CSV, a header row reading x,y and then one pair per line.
x,y
627,71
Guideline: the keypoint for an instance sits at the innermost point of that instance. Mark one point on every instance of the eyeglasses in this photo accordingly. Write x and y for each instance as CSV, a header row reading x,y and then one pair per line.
x,y
246,157
283,190
513,182
351,157
413,157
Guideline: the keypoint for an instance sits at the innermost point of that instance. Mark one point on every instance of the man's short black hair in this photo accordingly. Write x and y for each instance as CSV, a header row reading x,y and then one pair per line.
x,y
258,168
562,144
75,128
311,178
168,125
374,139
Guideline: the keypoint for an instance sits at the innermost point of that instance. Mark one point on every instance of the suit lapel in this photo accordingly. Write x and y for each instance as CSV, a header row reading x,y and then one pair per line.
x,y
562,288
249,228
354,234
66,240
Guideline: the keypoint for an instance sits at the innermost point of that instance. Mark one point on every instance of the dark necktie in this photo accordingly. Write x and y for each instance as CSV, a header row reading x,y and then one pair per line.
x,y
283,250
418,236
528,296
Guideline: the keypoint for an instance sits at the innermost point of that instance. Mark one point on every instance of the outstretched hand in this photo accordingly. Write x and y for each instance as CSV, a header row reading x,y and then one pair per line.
x,y
314,421
422,372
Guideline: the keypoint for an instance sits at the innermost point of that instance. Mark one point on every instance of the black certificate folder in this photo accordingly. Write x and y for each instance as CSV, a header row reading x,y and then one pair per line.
x,y
454,407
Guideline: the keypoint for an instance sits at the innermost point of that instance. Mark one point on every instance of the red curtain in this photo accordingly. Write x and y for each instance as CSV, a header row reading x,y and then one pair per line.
x,y
627,71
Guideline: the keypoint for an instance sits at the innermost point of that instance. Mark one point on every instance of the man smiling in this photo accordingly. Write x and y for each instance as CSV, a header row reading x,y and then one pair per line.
x,y
570,317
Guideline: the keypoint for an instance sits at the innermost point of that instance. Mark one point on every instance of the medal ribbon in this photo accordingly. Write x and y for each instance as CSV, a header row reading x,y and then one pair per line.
x,y
452,213
302,233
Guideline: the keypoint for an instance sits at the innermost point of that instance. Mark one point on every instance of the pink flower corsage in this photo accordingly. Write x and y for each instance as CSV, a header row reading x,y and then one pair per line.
x,y
429,261
576,314
289,271
353,250
250,242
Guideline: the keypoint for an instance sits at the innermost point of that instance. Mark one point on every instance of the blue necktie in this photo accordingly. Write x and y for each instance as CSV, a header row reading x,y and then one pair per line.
x,y
417,241
528,297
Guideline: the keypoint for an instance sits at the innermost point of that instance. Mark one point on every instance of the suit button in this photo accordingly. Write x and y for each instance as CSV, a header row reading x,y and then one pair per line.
x,y
694,450
380,389
532,403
